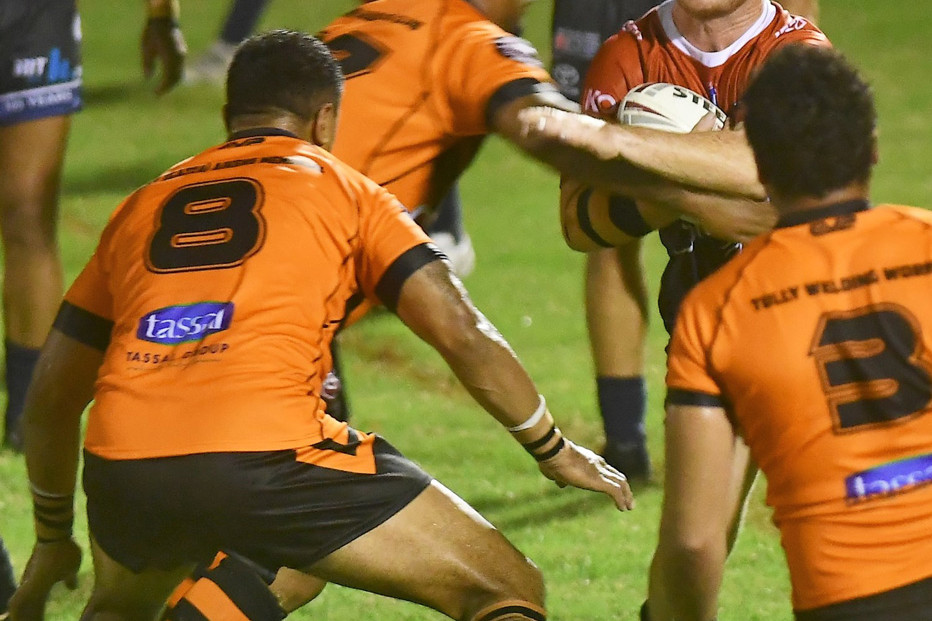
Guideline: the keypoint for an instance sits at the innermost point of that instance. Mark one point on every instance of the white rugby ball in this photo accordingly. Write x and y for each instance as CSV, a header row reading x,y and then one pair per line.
x,y
668,107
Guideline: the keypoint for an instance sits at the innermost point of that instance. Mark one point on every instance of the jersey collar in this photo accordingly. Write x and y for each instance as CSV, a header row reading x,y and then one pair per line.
x,y
260,131
712,59
831,211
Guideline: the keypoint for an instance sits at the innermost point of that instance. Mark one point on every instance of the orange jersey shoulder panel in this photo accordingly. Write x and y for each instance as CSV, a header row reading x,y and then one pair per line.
x,y
652,50
818,338
226,279
420,76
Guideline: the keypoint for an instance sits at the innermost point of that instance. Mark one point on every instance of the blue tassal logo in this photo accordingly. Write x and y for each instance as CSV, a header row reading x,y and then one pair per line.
x,y
174,325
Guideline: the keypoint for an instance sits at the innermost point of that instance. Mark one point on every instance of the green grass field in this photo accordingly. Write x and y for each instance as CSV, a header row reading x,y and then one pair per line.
x,y
594,559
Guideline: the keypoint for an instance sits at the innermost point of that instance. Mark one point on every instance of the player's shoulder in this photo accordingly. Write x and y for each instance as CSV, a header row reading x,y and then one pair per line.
x,y
789,28
904,213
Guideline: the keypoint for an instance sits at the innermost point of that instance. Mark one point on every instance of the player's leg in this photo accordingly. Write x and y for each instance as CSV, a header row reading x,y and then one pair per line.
x,y
31,157
439,552
616,316
239,23
122,594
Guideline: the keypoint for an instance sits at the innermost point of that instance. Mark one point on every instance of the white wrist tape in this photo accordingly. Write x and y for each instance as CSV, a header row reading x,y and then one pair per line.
x,y
534,419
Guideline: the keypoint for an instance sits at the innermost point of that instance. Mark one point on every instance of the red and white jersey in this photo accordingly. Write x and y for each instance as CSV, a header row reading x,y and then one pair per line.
x,y
652,49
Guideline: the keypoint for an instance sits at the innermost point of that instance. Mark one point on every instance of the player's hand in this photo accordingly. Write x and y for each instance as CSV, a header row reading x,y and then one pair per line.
x,y
578,466
163,43
49,564
707,123
541,124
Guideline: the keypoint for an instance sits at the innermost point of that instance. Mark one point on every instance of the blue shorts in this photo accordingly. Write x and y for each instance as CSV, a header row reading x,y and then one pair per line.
x,y
274,508
40,59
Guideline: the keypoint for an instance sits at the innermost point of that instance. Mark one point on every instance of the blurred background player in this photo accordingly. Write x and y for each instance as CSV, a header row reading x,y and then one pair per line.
x,y
262,472
427,80
40,88
447,230
240,21
829,385
695,43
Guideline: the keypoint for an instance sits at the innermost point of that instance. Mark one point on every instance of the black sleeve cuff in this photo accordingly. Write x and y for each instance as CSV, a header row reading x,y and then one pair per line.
x,y
676,396
83,326
624,214
585,223
510,91
389,287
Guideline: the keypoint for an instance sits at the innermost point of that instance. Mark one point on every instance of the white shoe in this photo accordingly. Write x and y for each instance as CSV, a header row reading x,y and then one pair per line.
x,y
461,254
211,66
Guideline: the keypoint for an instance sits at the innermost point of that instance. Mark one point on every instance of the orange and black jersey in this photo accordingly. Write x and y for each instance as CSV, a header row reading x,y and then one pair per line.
x,y
817,339
216,289
424,79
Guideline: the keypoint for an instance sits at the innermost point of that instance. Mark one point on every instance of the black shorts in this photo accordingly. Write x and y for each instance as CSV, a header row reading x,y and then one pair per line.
x,y
266,506
40,59
579,28
912,602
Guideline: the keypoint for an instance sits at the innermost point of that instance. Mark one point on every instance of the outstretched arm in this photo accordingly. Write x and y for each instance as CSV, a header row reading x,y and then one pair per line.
x,y
434,304
163,43
61,388
592,218
635,161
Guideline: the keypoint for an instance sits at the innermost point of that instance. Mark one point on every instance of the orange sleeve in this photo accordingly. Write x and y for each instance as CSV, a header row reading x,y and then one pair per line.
x,y
485,65
689,370
387,232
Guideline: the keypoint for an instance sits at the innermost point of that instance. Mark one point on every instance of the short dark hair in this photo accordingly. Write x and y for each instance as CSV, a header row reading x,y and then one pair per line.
x,y
810,121
282,70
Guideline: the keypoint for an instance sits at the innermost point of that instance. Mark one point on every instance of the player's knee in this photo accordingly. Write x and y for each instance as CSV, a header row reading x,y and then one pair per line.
x,y
511,610
230,588
515,590
27,223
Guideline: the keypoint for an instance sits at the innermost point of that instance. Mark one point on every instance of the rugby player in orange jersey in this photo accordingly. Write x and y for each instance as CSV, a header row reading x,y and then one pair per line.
x,y
201,328
813,345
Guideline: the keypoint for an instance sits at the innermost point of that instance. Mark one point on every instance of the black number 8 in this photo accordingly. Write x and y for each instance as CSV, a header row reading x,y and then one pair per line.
x,y
208,226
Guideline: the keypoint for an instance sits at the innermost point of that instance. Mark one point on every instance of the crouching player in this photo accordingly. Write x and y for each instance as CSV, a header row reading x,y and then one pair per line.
x,y
201,329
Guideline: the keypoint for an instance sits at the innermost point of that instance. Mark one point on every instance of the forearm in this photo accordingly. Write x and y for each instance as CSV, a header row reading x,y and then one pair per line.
x,y
633,160
434,304
487,367
718,162
62,386
684,583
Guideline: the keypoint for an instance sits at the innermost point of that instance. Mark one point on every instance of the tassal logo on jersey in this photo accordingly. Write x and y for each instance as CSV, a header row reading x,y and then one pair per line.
x,y
174,325
890,479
